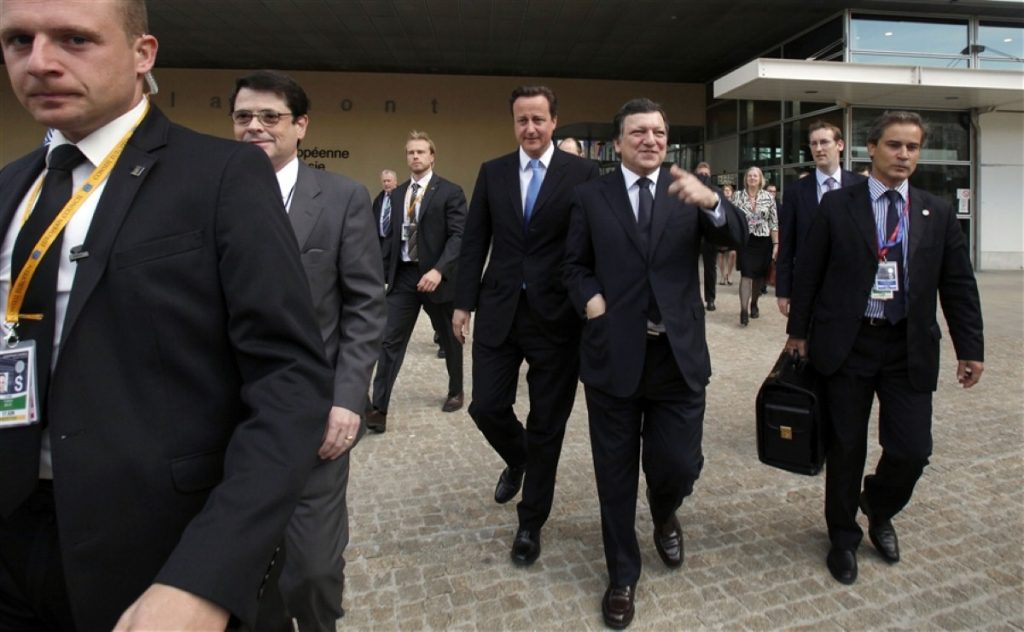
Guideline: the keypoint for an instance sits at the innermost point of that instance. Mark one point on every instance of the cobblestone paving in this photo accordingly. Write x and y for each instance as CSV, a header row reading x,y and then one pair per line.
x,y
429,547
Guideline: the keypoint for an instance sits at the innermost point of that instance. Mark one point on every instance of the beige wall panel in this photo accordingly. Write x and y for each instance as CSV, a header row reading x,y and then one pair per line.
x,y
369,115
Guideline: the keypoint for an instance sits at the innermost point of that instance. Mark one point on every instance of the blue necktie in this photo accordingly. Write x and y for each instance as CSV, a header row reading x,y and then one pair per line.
x,y
895,308
532,189
385,216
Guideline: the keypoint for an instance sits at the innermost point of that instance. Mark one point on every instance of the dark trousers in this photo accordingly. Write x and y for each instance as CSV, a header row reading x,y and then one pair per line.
x,y
660,427
33,595
709,255
404,303
877,365
552,354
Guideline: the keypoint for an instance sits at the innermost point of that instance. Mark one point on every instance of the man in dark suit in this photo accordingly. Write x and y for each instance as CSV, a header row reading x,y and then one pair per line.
x,y
382,213
631,268
520,214
427,218
801,199
863,307
333,224
181,411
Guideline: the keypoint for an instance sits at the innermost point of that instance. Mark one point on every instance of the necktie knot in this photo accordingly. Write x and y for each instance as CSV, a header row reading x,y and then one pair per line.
x,y
65,158
831,184
893,195
415,188
644,183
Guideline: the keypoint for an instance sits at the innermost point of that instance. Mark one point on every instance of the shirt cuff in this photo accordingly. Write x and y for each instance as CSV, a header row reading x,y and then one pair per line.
x,y
716,214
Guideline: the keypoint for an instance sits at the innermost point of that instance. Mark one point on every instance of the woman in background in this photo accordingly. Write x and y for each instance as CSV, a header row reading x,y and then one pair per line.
x,y
762,246
726,257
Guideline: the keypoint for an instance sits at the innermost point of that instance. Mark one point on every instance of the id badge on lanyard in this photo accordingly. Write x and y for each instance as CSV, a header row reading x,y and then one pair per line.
x,y
18,384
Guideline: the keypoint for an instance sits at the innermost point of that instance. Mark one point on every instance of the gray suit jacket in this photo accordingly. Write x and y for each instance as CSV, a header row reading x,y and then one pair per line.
x,y
334,226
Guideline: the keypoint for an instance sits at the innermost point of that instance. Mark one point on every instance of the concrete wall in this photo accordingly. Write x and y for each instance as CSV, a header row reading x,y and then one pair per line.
x,y
1001,191
369,115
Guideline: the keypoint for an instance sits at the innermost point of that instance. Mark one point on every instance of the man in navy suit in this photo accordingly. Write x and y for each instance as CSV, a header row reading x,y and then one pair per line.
x,y
427,218
382,212
520,215
631,269
801,201
863,309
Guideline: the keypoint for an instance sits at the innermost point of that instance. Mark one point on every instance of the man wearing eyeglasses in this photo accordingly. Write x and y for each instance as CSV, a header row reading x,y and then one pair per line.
x,y
334,226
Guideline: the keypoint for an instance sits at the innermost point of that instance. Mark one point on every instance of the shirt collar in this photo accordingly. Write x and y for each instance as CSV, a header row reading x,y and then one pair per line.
x,y
822,177
287,176
877,189
631,177
423,180
97,145
545,158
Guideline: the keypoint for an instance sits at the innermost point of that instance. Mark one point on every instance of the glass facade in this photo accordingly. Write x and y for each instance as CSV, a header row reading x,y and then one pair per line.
x,y
773,135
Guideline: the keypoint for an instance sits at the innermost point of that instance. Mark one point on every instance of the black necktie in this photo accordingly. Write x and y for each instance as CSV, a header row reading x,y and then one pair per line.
x,y
644,211
895,308
19,450
41,295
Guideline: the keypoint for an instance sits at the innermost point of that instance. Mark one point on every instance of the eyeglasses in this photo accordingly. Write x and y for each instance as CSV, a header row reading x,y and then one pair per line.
x,y
268,118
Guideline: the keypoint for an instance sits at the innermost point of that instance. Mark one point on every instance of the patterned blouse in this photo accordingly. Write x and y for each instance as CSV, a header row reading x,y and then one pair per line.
x,y
763,219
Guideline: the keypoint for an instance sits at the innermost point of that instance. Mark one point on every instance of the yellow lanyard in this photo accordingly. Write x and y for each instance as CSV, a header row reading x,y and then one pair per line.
x,y
17,294
413,201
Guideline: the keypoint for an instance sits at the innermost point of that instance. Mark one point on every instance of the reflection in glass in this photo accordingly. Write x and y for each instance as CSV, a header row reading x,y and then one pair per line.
x,y
762,147
899,35
909,60
949,135
722,120
1001,41
757,113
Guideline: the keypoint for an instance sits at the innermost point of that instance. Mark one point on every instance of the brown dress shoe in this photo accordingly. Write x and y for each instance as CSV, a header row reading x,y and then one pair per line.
x,y
617,606
668,540
453,403
376,421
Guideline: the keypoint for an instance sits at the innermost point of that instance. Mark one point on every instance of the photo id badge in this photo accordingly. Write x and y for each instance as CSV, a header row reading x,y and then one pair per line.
x,y
17,385
887,278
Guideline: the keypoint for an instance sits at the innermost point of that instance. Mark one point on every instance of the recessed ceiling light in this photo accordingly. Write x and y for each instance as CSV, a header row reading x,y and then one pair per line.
x,y
888,33
1007,39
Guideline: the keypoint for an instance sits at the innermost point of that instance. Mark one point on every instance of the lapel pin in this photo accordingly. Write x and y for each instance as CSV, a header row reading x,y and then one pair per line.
x,y
137,170
926,212
78,252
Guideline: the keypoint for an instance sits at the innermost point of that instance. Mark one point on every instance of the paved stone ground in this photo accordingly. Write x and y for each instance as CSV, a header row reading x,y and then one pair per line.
x,y
429,548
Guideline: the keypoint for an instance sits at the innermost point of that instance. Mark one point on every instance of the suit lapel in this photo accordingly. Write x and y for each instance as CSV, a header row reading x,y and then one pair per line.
x,y
17,182
306,208
398,214
863,217
809,191
552,179
131,170
621,209
920,224
663,204
512,185
428,195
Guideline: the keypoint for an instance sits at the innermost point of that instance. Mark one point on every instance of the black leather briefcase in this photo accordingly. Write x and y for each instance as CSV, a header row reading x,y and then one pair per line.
x,y
790,429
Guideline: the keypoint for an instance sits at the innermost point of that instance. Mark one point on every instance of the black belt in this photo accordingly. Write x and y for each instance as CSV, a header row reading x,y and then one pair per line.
x,y
881,322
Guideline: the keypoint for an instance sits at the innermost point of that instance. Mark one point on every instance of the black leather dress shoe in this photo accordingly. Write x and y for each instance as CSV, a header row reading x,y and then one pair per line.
x,y
744,319
617,606
842,563
668,540
881,533
509,484
710,306
754,312
453,403
526,547
440,353
377,421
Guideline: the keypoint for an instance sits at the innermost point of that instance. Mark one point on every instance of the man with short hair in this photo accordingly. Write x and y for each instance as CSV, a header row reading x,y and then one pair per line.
x,y
382,212
519,217
182,387
863,309
631,269
801,199
427,218
333,225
